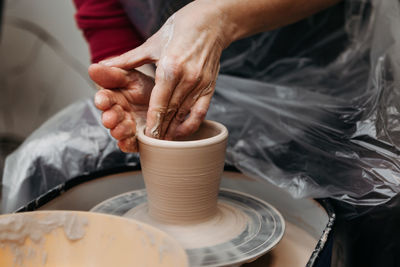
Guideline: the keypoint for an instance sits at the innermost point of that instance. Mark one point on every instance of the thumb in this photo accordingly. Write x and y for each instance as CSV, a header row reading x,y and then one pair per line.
x,y
108,77
131,59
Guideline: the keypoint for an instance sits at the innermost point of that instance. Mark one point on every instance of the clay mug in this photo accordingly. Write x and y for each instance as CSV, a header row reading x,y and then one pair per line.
x,y
182,177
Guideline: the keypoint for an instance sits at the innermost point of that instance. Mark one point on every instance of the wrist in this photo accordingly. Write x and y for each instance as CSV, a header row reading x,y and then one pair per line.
x,y
228,22
218,16
239,19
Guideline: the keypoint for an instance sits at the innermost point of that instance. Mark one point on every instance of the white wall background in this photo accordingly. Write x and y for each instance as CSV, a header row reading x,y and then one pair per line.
x,y
43,63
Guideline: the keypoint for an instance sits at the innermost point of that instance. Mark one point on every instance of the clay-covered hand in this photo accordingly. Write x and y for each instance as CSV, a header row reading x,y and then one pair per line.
x,y
186,51
124,103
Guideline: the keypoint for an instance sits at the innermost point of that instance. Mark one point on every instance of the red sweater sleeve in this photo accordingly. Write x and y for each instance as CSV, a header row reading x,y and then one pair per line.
x,y
106,28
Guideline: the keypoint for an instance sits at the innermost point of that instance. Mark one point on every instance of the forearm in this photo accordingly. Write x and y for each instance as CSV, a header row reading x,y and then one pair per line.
x,y
244,18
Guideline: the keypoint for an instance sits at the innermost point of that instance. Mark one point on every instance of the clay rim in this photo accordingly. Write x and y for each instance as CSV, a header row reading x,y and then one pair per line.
x,y
220,137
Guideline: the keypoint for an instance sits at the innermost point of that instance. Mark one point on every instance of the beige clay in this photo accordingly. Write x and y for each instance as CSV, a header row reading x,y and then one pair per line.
x,y
71,238
182,177
182,181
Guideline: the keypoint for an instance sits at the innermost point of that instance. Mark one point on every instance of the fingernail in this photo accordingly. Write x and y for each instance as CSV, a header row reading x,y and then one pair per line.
x,y
100,100
106,62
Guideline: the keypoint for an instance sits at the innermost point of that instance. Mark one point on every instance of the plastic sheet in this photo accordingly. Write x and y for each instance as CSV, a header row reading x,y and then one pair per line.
x,y
312,107
71,143
325,124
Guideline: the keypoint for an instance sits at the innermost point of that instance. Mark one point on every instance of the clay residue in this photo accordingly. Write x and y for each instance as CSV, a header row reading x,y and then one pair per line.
x,y
227,224
74,227
205,91
156,130
168,30
44,258
150,239
16,229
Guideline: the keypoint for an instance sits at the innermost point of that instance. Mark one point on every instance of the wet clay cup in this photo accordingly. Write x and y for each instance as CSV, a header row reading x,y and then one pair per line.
x,y
182,177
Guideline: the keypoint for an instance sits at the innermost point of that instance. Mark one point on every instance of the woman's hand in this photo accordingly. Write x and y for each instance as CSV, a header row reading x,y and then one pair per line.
x,y
186,51
124,103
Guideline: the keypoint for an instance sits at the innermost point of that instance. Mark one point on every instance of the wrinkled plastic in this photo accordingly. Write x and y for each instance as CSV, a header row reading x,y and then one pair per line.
x,y
323,130
70,144
322,121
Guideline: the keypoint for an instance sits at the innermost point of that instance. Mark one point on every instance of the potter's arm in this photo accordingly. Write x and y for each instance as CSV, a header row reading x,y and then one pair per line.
x,y
244,18
187,51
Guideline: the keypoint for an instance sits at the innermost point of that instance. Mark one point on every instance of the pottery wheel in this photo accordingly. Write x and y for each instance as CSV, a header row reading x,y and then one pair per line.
x,y
244,229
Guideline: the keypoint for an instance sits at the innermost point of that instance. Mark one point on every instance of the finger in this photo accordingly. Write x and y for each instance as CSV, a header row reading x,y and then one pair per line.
x,y
181,115
128,145
113,116
166,81
196,117
185,87
186,107
105,99
125,129
108,77
131,59
140,87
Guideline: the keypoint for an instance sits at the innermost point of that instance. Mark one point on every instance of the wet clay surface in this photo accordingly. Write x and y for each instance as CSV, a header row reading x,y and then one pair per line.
x,y
182,178
225,225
